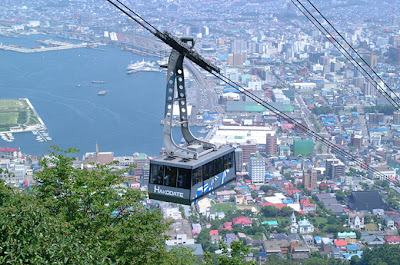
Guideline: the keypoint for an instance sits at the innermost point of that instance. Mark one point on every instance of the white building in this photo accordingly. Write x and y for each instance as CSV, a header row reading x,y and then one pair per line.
x,y
307,86
301,227
254,84
180,233
257,168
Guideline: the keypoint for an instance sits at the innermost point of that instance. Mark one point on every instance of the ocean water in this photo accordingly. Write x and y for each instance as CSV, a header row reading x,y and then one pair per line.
x,y
124,121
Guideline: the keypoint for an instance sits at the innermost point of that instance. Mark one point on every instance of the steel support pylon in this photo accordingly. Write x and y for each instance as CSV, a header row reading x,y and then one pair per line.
x,y
178,93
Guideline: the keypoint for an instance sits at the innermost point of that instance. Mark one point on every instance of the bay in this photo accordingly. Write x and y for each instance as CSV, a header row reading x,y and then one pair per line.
x,y
124,121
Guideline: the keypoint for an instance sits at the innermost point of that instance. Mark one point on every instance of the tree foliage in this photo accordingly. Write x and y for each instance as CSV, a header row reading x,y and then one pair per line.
x,y
387,254
81,216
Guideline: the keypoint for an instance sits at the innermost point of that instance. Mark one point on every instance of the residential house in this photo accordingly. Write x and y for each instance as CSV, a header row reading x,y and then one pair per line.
x,y
242,221
355,220
349,237
229,238
326,244
225,195
352,248
274,246
373,240
392,240
210,213
342,244
388,220
180,233
307,206
214,236
308,239
196,229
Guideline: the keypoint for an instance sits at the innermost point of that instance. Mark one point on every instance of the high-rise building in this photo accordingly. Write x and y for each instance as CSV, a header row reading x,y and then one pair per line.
x,y
356,140
396,117
271,147
257,168
248,148
310,179
239,159
238,46
334,168
376,118
394,54
368,89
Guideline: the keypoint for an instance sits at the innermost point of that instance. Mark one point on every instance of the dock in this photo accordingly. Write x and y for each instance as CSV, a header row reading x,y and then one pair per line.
x,y
52,46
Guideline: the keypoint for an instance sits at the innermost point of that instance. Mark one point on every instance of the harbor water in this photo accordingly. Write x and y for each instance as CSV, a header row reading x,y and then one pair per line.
x,y
59,86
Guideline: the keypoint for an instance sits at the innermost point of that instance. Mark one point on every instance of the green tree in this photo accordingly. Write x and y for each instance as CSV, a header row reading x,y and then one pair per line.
x,y
340,195
387,254
285,211
269,211
81,216
237,256
266,188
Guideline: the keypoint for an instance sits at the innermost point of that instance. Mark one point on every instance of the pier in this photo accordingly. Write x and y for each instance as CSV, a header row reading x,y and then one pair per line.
x,y
53,46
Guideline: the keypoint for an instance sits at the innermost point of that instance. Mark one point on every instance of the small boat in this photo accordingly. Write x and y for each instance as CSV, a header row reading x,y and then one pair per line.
x,y
98,82
203,131
34,132
78,85
102,93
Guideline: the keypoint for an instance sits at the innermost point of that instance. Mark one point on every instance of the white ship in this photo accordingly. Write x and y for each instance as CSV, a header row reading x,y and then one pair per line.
x,y
142,66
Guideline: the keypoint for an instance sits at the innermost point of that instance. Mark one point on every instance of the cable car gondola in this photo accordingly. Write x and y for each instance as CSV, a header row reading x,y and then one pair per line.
x,y
186,174
184,181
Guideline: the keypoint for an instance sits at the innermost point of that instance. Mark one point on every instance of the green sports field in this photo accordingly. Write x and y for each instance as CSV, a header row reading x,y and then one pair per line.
x,y
14,112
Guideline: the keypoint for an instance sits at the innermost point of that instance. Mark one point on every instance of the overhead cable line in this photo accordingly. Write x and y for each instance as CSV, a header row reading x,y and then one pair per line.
x,y
199,60
376,74
353,61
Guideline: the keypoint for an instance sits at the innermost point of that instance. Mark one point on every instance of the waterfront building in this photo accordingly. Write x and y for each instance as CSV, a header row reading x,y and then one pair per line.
x,y
10,153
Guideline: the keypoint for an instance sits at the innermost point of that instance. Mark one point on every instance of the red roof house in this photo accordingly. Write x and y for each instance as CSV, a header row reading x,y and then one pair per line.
x,y
340,244
392,240
243,221
214,233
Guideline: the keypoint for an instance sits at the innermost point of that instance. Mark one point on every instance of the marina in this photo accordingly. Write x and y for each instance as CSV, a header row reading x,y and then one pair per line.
x,y
42,136
8,137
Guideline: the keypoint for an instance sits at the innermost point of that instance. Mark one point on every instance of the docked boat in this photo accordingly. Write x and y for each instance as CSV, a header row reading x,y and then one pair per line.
x,y
49,138
142,66
98,82
102,93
